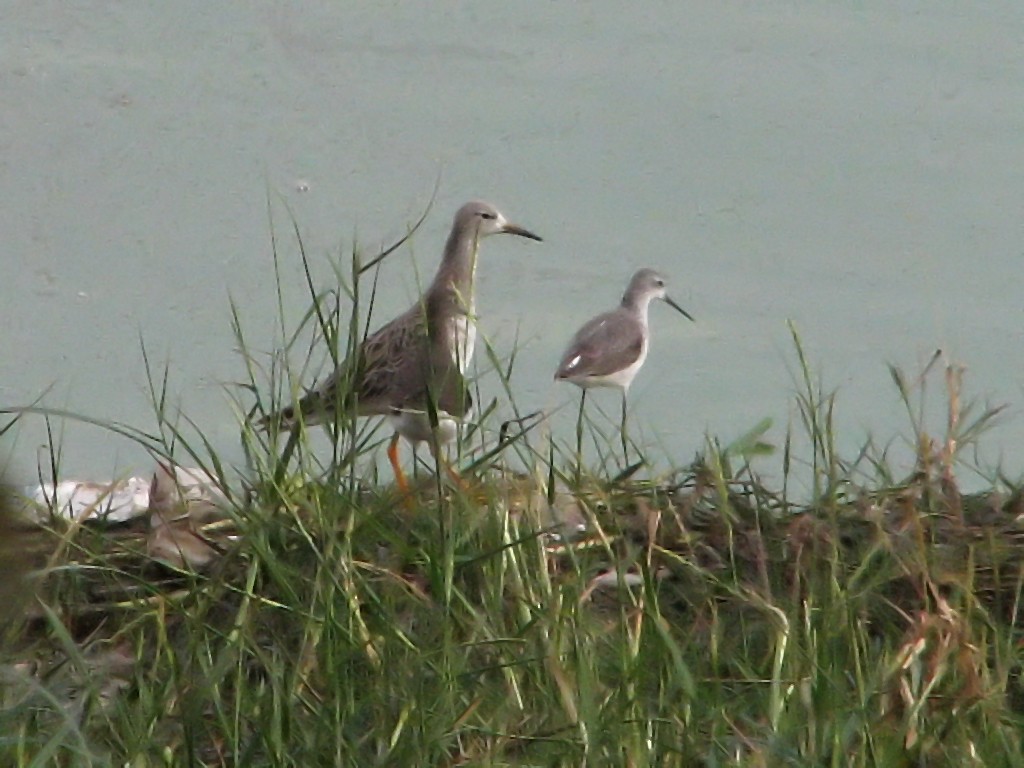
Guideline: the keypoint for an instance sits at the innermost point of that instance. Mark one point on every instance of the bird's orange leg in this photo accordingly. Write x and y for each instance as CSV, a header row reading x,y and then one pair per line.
x,y
403,484
453,475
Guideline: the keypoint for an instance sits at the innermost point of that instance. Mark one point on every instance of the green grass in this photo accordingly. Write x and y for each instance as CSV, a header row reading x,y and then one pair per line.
x,y
703,617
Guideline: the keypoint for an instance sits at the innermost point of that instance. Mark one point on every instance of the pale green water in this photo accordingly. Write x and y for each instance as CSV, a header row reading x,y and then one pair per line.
x,y
855,167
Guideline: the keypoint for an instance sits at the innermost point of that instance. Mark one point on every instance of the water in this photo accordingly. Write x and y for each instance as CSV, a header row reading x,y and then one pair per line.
x,y
855,168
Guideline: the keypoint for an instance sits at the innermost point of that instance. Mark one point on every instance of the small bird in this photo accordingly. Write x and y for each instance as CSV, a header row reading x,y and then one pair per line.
x,y
415,363
610,349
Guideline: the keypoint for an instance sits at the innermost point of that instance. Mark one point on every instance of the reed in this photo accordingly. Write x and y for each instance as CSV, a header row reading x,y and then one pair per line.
x,y
547,614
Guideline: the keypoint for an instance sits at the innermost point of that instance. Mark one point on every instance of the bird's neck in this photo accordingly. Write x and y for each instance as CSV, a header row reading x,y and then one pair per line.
x,y
637,304
453,285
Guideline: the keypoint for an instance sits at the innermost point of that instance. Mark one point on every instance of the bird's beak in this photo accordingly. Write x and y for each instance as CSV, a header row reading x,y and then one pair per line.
x,y
679,309
512,229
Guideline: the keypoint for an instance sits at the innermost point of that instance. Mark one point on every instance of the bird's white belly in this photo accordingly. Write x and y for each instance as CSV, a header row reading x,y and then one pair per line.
x,y
414,426
620,379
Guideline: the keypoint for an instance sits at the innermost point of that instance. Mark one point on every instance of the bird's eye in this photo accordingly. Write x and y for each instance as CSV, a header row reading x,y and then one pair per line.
x,y
660,283
487,215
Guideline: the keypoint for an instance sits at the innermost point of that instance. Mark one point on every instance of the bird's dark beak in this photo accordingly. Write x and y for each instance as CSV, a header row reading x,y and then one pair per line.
x,y
679,309
512,229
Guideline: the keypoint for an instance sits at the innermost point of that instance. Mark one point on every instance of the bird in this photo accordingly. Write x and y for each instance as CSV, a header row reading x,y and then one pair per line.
x,y
609,349
412,369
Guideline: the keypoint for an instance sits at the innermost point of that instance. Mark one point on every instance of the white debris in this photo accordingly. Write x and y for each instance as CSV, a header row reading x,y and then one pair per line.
x,y
116,501
194,484
75,500
177,513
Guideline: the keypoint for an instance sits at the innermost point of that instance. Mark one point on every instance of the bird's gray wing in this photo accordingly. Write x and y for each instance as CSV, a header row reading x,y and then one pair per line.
x,y
604,345
369,378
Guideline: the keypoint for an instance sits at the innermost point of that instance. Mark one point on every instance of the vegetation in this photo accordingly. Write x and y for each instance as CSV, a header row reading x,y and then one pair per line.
x,y
544,614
